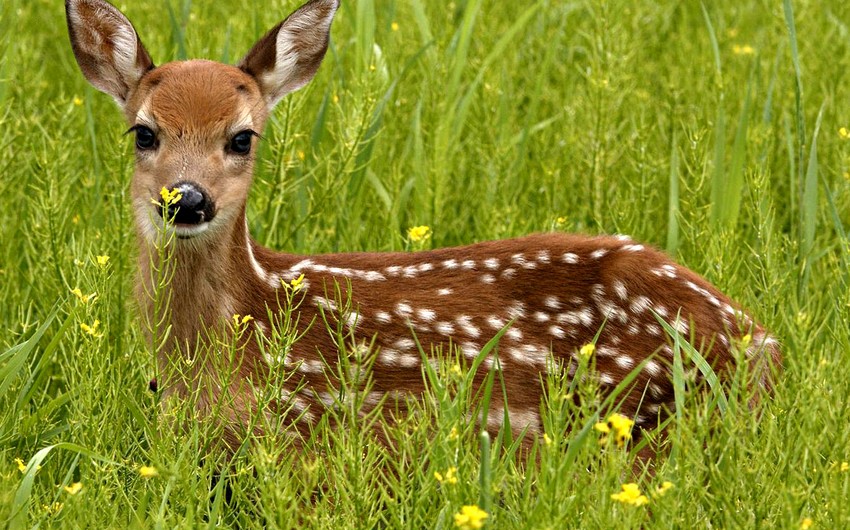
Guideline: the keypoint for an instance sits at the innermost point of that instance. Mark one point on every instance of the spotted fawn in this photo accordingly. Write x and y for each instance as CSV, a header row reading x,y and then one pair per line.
x,y
196,126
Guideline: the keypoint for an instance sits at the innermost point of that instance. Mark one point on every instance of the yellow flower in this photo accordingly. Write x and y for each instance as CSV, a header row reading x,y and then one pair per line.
x,y
546,439
587,350
91,330
74,488
806,523
450,476
663,488
561,221
78,100
102,260
630,495
417,234
21,466
470,517
301,156
746,340
746,49
335,98
84,298
52,509
170,197
844,466
297,283
148,471
455,370
844,133
239,320
453,434
618,425
394,26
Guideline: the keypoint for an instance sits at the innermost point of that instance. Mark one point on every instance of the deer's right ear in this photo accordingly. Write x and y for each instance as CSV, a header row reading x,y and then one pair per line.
x,y
107,47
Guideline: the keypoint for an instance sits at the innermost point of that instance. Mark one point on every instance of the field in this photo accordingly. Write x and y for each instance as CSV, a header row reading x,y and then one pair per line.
x,y
720,133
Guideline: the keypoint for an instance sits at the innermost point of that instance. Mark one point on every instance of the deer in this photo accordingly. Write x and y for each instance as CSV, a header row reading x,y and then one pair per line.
x,y
196,125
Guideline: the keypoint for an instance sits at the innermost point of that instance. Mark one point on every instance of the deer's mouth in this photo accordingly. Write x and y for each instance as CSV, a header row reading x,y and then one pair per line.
x,y
188,231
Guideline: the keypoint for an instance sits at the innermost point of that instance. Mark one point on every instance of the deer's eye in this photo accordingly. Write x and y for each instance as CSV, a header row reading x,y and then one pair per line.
x,y
240,144
145,138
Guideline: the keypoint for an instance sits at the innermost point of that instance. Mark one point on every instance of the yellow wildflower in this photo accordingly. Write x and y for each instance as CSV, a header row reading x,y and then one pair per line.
x,y
746,340
78,100
74,488
453,434
561,221
297,283
806,523
76,219
21,466
547,440
301,156
418,234
102,260
394,26
746,49
663,488
335,98
844,466
148,471
170,197
239,320
618,425
52,509
84,298
91,330
450,477
630,495
587,350
455,370
470,517
844,133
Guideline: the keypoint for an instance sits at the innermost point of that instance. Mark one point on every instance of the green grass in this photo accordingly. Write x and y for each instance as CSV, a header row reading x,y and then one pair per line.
x,y
712,132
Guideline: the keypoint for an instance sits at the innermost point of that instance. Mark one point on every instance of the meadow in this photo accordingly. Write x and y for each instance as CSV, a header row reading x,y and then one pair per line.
x,y
717,132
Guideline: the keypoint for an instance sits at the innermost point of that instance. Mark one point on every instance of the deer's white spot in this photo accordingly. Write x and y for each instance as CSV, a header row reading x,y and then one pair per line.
x,y
633,329
516,310
404,344
491,263
656,391
557,332
495,322
632,248
470,350
466,325
425,267
606,379
445,328
540,316
620,289
393,270
409,361
607,351
450,264
403,309
444,291
640,304
383,317
410,271
508,273
514,334
661,310
543,256
552,302
570,258
323,302
373,276
468,264
488,278
597,254
652,368
652,329
428,315
389,356
624,361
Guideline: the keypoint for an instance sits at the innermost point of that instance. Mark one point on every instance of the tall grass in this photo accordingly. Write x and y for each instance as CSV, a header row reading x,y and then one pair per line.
x,y
683,125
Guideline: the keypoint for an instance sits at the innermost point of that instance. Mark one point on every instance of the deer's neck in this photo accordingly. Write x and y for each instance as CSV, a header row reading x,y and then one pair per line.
x,y
204,283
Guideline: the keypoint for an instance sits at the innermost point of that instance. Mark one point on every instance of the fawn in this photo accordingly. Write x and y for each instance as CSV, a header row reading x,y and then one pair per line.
x,y
196,124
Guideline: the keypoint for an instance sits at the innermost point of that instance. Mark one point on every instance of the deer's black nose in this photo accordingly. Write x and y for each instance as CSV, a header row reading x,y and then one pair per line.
x,y
194,207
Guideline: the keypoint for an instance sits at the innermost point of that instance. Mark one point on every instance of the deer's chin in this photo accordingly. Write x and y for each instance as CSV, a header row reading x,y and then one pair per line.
x,y
183,231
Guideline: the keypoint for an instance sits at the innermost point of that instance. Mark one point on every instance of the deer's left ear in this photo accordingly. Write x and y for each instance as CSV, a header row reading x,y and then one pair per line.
x,y
289,55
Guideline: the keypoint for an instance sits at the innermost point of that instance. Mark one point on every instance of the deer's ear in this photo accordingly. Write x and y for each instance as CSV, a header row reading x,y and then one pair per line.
x,y
107,47
289,55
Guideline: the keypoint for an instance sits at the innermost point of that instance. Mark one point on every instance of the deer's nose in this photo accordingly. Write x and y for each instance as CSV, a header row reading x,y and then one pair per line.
x,y
194,207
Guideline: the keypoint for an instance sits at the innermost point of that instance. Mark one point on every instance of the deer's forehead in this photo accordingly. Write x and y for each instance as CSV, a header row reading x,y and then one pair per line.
x,y
199,96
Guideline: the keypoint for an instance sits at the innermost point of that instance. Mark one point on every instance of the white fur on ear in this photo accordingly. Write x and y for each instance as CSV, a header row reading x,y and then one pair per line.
x,y
289,55
106,47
